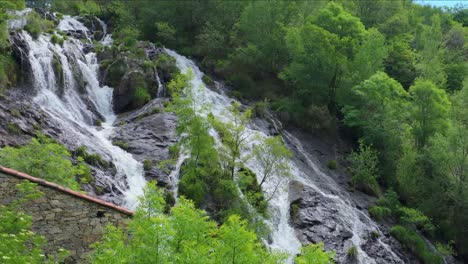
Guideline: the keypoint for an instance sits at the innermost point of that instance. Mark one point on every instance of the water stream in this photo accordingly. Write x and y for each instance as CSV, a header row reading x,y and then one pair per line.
x,y
71,107
283,235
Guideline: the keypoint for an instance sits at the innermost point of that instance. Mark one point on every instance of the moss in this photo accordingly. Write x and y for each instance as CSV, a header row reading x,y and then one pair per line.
x,y
294,210
15,112
121,144
116,71
416,244
147,165
13,128
58,71
332,164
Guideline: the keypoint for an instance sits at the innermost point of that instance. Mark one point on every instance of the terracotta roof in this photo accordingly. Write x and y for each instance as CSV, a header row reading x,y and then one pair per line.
x,y
42,182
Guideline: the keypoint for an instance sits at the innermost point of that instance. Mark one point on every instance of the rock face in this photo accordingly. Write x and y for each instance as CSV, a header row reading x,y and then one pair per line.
x,y
149,132
67,221
317,218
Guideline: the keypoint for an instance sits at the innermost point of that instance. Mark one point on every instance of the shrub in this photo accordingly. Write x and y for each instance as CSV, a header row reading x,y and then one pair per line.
x,y
364,169
411,216
36,24
13,128
252,191
379,213
315,253
90,158
412,241
352,252
207,80
54,39
140,97
332,164
51,161
15,112
121,144
147,165
260,109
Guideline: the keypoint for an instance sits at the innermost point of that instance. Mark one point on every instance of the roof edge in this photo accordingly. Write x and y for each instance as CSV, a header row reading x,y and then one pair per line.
x,y
55,186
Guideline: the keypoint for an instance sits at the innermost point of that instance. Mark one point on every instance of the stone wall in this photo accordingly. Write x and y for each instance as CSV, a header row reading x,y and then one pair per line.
x,y
67,219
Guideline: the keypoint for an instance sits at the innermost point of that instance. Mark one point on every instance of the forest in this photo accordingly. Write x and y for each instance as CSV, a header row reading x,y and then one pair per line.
x,y
389,77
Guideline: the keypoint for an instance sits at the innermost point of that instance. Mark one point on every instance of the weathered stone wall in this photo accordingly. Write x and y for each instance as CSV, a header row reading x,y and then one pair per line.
x,y
65,220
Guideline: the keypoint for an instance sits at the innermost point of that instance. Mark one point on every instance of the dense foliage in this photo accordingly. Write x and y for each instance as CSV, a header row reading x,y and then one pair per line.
x,y
392,73
186,235
45,158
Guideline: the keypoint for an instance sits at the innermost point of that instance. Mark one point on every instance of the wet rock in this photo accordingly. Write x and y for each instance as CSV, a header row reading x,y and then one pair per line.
x,y
149,133
319,218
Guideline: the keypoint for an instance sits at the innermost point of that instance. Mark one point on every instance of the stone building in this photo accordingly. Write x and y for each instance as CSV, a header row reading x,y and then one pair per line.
x,y
67,219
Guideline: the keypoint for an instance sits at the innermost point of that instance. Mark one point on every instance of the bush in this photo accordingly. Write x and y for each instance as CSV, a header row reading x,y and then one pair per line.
x,y
252,191
140,97
410,216
352,252
121,144
207,80
147,165
36,24
51,160
260,109
93,159
379,213
332,164
13,128
54,39
412,241
364,169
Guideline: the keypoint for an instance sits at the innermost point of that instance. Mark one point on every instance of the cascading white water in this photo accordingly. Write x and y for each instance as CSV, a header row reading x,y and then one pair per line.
x,y
283,234
70,107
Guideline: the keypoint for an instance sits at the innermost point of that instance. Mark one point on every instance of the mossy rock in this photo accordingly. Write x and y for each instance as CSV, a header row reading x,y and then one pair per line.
x,y
116,71
58,72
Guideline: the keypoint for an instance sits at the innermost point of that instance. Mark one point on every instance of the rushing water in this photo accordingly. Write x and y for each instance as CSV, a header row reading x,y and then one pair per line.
x,y
283,235
70,107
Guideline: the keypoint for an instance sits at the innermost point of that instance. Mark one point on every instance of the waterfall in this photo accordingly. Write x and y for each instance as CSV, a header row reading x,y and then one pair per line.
x,y
283,237
71,104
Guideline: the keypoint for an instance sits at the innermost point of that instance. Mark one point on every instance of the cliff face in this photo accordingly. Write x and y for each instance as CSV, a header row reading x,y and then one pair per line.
x,y
67,219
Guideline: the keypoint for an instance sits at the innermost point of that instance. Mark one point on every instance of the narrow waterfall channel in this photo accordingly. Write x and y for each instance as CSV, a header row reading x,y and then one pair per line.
x,y
70,106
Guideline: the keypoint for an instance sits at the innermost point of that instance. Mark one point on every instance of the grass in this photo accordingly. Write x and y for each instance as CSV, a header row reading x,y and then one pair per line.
x,y
121,144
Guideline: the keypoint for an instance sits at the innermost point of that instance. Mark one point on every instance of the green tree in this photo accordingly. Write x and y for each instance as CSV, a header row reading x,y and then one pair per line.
x,y
315,254
430,111
273,157
364,169
377,109
401,62
430,59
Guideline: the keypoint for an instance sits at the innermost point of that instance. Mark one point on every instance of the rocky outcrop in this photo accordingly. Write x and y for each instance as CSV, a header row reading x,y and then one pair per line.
x,y
318,217
148,133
